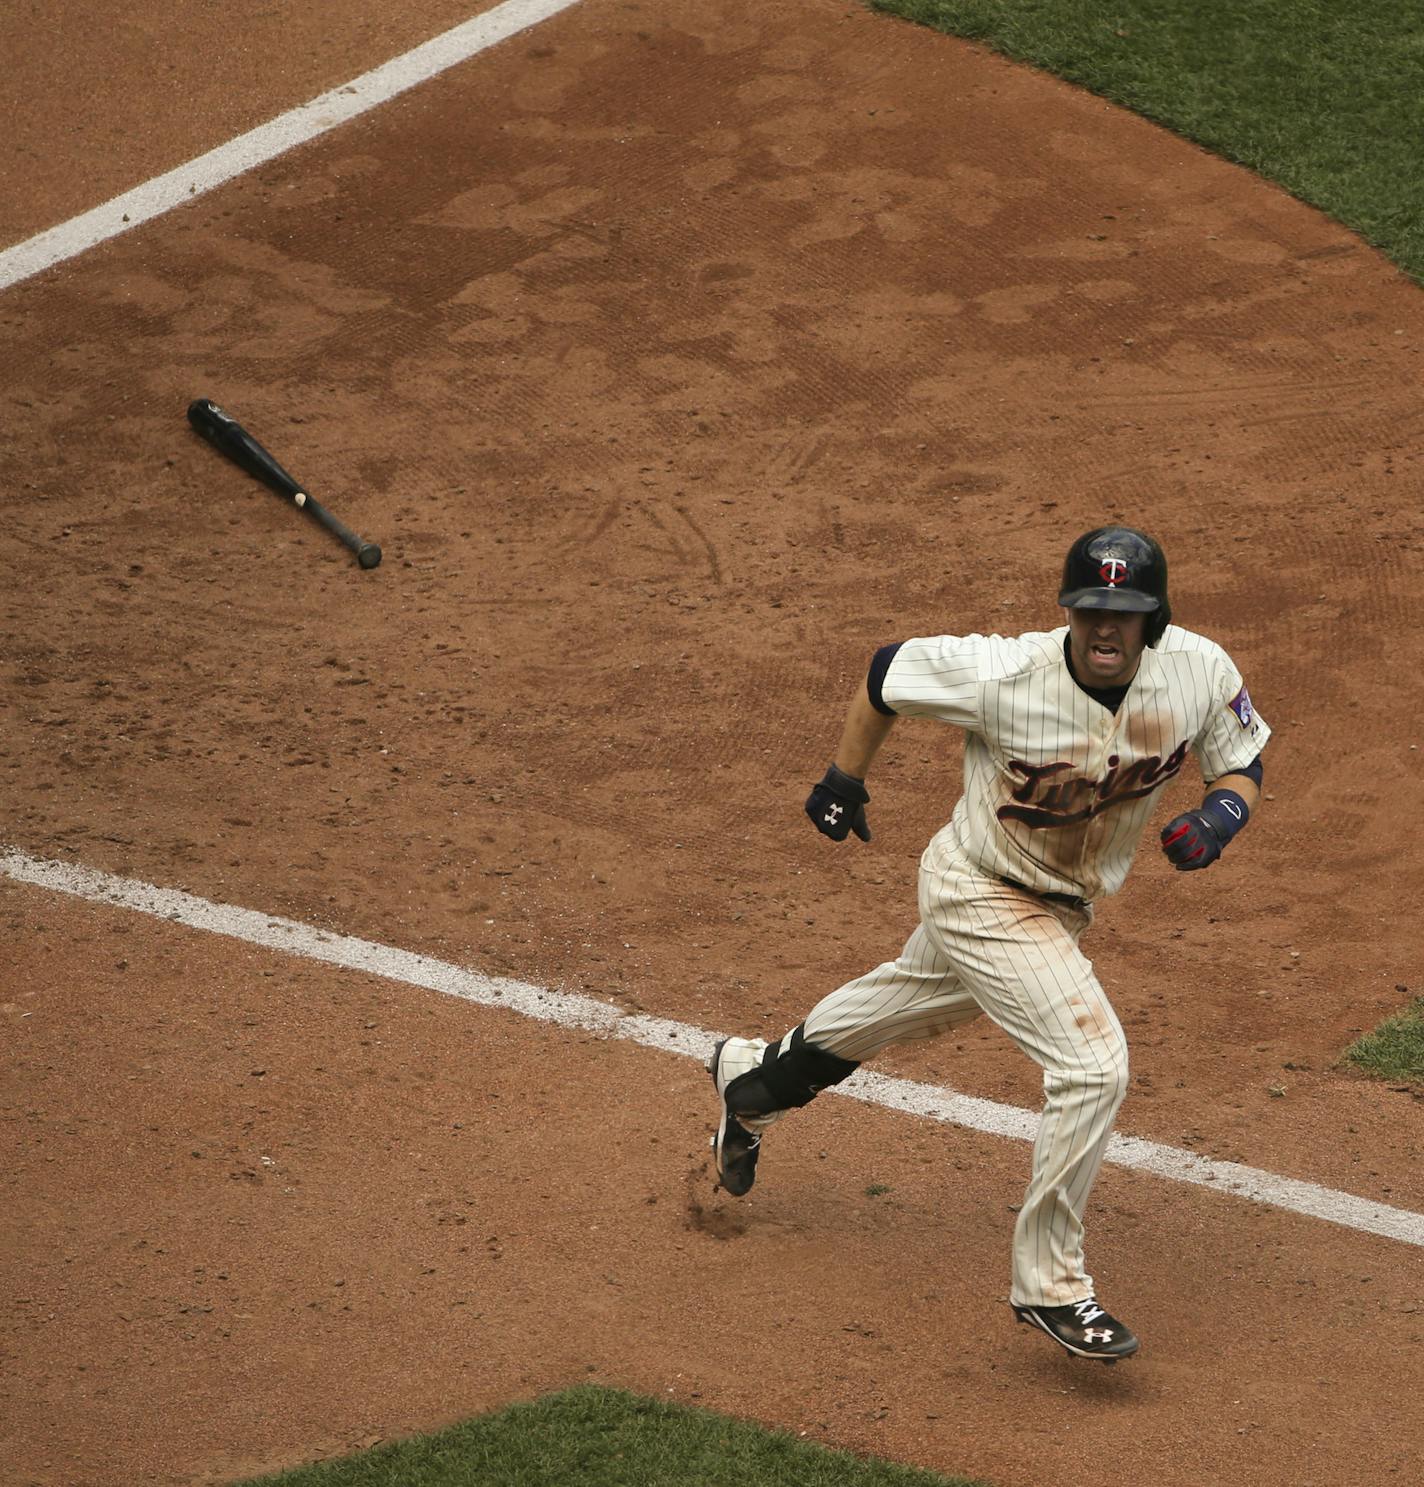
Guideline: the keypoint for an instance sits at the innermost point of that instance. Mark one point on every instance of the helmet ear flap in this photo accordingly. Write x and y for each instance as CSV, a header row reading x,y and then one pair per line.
x,y
1157,622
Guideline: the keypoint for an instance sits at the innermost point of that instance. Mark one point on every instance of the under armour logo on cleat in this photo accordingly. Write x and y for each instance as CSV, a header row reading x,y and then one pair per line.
x,y
1098,1334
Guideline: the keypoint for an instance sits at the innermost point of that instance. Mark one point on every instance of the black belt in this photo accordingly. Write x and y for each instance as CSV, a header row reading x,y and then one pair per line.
x,y
1068,900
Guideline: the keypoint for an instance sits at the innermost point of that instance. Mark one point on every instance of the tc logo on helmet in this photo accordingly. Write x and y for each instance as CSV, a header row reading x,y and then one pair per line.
x,y
1113,572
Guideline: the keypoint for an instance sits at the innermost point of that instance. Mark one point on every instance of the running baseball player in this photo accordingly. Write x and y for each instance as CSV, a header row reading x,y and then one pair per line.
x,y
1069,734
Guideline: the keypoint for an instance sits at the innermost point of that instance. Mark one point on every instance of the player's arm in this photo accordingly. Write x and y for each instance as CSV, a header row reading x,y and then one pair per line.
x,y
865,730
1197,838
837,805
1245,785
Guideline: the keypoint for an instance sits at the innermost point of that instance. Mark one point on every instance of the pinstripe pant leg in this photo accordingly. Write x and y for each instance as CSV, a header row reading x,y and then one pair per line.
x,y
917,995
1020,960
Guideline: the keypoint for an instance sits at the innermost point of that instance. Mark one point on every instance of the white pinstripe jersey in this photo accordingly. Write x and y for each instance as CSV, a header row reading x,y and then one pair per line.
x,y
1058,787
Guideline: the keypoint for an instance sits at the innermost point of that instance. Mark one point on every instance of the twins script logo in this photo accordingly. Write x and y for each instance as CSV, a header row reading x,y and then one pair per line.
x,y
1045,800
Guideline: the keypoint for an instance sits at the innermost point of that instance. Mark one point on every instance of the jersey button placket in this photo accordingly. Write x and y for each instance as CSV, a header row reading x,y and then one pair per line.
x,y
1102,744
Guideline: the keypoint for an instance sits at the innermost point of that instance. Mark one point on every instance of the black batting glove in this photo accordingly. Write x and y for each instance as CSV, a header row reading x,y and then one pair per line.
x,y
1192,841
837,806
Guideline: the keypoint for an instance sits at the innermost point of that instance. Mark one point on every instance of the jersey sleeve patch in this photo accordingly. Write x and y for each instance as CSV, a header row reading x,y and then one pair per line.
x,y
1240,704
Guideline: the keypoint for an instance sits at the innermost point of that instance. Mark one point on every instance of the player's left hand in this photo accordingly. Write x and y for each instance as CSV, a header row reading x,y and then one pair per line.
x,y
1192,841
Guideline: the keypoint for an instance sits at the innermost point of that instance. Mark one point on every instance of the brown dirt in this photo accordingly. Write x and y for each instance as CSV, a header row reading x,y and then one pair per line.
x,y
676,362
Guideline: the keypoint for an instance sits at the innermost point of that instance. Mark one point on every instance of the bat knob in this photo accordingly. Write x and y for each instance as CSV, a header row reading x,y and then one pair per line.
x,y
369,556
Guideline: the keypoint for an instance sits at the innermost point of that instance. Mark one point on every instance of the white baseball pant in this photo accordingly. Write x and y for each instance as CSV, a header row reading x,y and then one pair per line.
x,y
985,946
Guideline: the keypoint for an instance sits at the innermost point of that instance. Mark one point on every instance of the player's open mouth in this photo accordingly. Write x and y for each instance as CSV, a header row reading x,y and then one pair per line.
x,y
1106,652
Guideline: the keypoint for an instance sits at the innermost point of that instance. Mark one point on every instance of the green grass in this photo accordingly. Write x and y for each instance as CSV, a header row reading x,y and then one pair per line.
x,y
1395,1050
594,1437
1324,97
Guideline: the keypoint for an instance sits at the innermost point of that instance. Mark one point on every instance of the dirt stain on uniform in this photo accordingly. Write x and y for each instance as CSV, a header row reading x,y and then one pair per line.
x,y
1092,1017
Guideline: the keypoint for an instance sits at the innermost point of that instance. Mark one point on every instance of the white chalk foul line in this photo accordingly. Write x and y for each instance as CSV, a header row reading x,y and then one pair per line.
x,y
257,146
567,1009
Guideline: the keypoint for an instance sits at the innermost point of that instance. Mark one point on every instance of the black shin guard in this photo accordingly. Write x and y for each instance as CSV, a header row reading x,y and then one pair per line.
x,y
787,1080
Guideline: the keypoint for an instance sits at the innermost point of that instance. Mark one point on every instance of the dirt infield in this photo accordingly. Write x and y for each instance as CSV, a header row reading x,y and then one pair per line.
x,y
676,362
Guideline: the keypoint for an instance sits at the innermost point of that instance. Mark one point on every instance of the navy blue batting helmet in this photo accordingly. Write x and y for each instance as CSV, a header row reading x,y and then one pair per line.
x,y
1118,568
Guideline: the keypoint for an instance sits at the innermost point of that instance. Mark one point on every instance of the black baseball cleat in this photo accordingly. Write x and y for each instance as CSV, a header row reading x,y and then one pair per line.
x,y
734,1148
1083,1328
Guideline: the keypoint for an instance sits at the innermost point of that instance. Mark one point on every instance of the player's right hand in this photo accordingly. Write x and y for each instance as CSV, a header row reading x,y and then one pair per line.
x,y
837,806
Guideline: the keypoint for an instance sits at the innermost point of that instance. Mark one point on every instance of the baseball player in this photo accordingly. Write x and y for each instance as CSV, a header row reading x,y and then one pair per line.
x,y
1069,734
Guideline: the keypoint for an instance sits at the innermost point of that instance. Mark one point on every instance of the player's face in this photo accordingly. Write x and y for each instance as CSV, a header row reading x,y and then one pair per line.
x,y
1106,645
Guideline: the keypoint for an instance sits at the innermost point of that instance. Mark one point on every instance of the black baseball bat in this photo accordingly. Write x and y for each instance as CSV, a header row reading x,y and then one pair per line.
x,y
228,437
